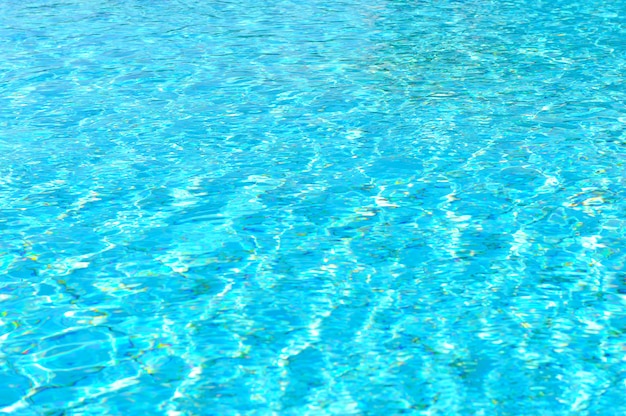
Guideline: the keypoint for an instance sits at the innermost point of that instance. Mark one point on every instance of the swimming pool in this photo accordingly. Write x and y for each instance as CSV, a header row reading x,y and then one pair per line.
x,y
312,207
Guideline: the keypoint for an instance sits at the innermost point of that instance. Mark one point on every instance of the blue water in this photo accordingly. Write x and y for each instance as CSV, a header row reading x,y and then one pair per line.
x,y
313,207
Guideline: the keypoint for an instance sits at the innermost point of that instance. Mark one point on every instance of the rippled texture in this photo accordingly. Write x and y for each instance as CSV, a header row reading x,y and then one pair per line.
x,y
312,207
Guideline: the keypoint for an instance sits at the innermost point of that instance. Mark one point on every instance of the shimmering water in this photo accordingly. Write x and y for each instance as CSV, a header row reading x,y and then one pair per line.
x,y
312,207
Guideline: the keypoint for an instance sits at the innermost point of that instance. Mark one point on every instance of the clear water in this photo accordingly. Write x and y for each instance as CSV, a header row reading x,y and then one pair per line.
x,y
312,207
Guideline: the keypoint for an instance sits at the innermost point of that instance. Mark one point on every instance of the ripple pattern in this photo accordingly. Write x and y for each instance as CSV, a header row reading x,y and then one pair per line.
x,y
312,207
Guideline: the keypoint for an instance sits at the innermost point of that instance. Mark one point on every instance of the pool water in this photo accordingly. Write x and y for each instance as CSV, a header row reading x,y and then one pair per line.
x,y
312,207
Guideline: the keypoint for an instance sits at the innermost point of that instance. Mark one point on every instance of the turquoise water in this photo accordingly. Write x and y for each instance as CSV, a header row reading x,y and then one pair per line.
x,y
312,207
